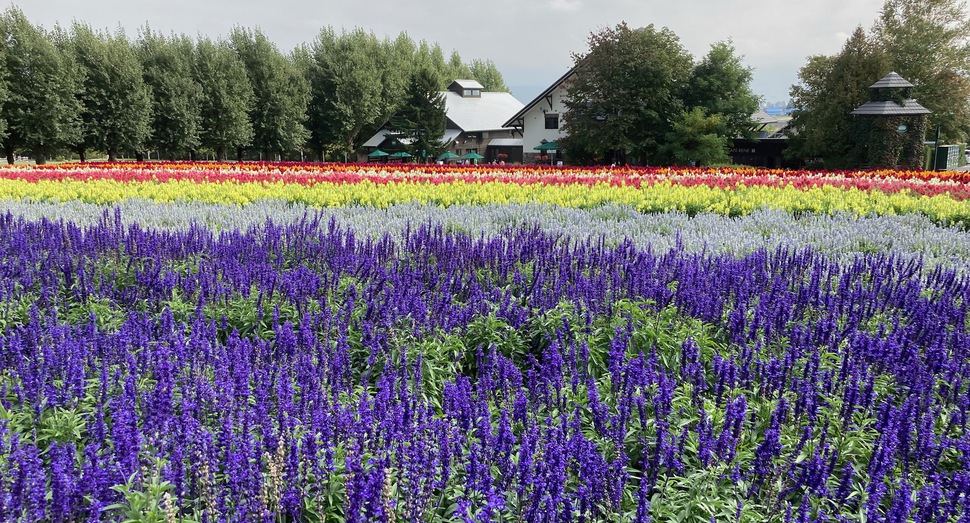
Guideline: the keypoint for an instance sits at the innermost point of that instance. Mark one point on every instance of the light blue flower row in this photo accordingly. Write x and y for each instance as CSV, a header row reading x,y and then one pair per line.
x,y
839,235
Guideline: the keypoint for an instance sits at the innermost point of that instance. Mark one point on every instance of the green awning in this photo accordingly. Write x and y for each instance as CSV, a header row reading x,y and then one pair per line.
x,y
448,155
472,156
377,154
401,154
547,146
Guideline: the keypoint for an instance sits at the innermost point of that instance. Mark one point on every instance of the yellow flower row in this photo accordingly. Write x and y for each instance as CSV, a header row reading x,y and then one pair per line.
x,y
663,196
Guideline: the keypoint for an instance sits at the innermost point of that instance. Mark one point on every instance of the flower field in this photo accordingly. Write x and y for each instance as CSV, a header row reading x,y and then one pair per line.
x,y
292,342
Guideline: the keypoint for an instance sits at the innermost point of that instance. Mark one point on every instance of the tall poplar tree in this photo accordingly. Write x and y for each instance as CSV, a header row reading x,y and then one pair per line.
x,y
226,99
176,115
346,92
485,72
280,94
116,103
40,108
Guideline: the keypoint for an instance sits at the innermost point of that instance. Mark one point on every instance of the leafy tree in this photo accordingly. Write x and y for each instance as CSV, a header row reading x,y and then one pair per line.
x,y
624,93
925,41
39,107
830,88
928,42
485,72
225,98
456,69
167,69
346,93
116,103
721,85
697,139
422,117
4,89
397,62
280,91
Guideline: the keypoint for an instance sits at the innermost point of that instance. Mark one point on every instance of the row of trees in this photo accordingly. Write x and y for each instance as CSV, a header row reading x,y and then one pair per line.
x,y
926,41
639,92
84,90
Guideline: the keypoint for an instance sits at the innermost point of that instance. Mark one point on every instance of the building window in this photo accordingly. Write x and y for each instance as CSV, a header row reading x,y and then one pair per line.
x,y
552,121
472,93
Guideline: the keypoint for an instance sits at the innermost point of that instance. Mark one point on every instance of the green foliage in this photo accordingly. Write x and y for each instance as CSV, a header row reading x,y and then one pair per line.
x,y
886,146
226,98
90,90
153,504
832,87
697,139
721,85
623,94
167,66
359,82
116,102
485,72
280,94
16,311
929,44
926,42
39,104
347,96
422,118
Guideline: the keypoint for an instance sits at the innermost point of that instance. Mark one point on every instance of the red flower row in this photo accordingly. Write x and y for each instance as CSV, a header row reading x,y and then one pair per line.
x,y
956,184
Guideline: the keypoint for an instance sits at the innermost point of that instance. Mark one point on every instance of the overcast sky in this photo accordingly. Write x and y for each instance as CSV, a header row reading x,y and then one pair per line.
x,y
530,42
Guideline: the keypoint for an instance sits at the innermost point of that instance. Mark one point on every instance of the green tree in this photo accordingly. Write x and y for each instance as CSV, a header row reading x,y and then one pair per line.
x,y
116,103
346,92
397,62
697,139
226,98
928,42
624,93
422,119
4,89
167,69
40,108
456,69
485,72
281,94
830,88
721,85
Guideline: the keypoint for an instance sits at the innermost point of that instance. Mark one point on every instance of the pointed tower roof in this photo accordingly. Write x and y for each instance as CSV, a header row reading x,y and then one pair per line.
x,y
891,80
877,107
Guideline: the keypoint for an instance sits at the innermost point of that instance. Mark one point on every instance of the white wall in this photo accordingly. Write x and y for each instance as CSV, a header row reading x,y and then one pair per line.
x,y
534,122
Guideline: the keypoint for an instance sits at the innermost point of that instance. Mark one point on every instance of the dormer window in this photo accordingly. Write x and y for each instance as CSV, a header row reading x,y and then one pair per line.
x,y
467,88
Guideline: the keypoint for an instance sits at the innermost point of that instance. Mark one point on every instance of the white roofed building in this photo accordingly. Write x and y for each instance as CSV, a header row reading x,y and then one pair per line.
x,y
475,124
539,122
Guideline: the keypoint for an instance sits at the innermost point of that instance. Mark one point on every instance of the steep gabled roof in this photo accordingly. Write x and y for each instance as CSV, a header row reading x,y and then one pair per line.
x,y
471,114
542,96
488,113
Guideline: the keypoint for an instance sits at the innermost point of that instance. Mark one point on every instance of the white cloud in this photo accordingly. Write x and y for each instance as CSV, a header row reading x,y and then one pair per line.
x,y
569,6
531,43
